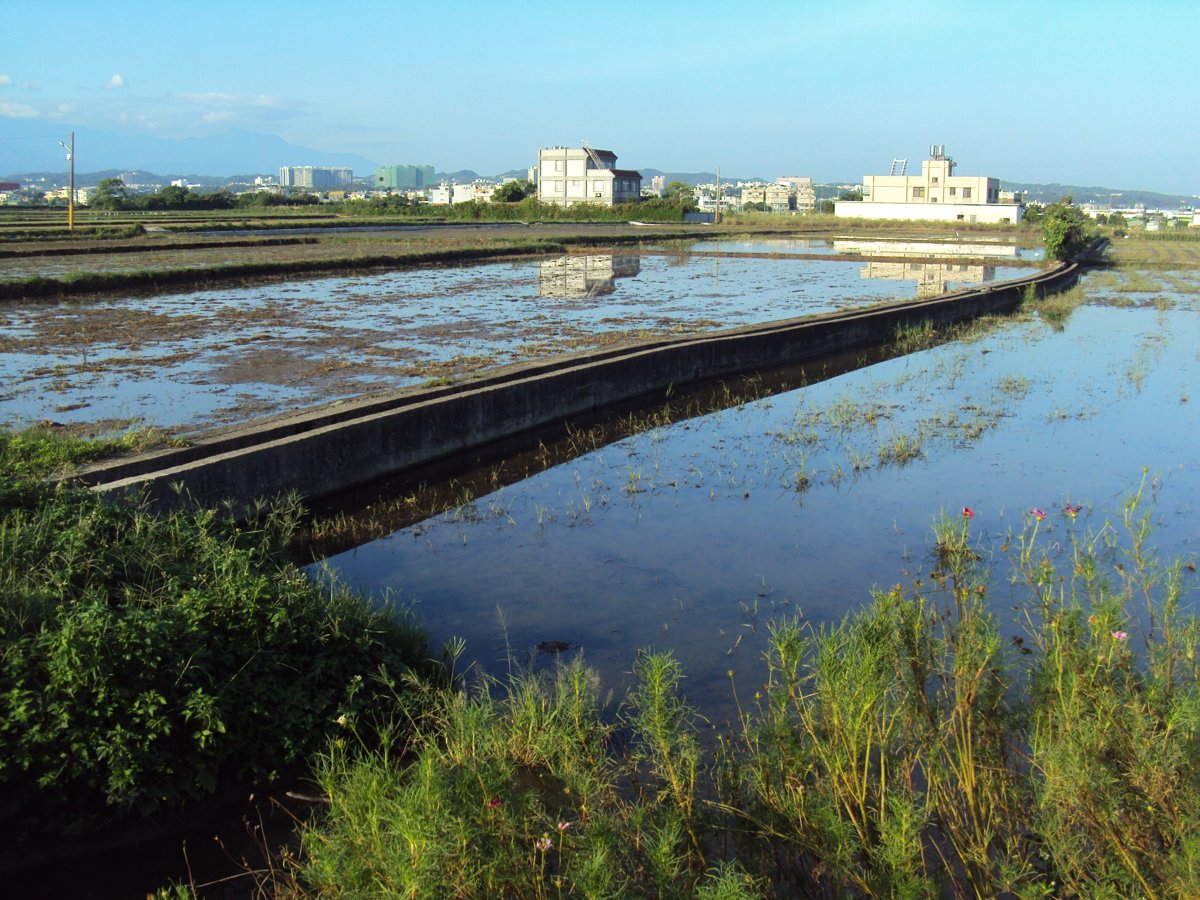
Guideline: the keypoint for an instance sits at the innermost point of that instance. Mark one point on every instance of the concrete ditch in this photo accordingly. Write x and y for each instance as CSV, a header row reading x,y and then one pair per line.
x,y
329,450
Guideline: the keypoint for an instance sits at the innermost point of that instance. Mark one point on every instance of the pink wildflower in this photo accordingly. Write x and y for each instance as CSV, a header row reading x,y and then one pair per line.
x,y
494,803
1120,635
563,826
543,843
968,513
1038,514
1072,511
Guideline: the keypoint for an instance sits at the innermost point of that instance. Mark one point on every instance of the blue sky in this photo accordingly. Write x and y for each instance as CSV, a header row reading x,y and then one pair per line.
x,y
1091,93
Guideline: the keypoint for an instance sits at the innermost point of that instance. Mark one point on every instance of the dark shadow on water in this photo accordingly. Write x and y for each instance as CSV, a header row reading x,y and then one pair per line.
x,y
380,508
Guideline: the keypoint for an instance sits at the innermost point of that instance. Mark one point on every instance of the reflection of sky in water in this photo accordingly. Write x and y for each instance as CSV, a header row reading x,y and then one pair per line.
x,y
693,537
167,357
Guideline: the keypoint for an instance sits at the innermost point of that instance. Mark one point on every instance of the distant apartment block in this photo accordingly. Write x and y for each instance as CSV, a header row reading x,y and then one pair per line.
x,y
404,176
315,177
569,175
804,197
774,197
659,184
937,193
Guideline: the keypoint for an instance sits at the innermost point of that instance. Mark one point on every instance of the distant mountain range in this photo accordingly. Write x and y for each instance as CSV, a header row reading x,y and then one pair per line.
x,y
193,158
202,161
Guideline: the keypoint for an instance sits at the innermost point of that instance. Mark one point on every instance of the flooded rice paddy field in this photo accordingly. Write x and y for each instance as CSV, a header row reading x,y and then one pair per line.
x,y
694,537
195,360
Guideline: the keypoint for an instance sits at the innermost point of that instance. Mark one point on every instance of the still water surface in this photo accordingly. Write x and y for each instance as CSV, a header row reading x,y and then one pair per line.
x,y
188,361
693,537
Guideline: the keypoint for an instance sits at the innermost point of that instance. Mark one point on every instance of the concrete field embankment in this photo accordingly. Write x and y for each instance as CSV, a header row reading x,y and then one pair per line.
x,y
329,450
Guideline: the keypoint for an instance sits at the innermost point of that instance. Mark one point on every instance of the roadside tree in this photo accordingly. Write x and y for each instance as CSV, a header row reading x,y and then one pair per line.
x,y
511,192
1066,231
110,193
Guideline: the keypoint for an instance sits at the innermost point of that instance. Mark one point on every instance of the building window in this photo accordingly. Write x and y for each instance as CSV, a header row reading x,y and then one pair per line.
x,y
558,165
966,193
935,179
918,193
953,191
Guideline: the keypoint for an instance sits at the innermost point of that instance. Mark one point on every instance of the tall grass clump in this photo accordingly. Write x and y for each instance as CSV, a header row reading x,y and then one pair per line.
x,y
1114,725
911,751
877,760
922,747
515,790
147,661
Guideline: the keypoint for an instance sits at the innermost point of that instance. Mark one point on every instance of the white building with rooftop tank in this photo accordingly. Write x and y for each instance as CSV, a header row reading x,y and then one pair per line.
x,y
936,194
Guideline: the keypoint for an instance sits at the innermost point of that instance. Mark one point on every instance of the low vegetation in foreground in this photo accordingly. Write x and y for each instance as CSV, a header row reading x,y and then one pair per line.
x,y
919,748
149,661
916,749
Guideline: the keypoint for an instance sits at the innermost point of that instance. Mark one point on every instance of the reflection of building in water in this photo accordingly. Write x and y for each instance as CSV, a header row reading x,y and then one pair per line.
x,y
931,278
926,249
584,276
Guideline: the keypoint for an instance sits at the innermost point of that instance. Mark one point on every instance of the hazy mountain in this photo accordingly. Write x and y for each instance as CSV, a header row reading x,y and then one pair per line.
x,y
693,178
462,176
216,155
1049,193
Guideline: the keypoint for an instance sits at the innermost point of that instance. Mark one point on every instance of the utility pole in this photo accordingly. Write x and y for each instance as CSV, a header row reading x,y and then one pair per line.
x,y
71,190
717,211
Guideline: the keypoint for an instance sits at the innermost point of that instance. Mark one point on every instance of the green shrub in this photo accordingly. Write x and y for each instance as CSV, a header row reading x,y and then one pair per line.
x,y
146,661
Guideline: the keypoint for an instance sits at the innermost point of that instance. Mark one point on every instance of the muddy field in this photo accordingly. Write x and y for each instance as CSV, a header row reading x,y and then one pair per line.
x,y
194,357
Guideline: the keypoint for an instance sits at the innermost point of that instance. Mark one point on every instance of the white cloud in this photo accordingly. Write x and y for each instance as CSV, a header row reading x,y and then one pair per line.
x,y
229,101
18,111
214,117
211,98
117,81
5,81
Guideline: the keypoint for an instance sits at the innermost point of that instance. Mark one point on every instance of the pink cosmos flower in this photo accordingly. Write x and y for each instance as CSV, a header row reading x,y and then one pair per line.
x,y
494,803
1072,511
543,844
1038,514
968,513
563,826
1120,635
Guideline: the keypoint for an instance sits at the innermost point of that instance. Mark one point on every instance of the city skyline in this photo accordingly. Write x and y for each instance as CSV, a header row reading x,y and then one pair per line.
x,y
1069,93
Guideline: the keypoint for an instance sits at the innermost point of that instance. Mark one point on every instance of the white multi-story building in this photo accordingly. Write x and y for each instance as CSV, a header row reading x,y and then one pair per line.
x,y
569,175
448,194
937,193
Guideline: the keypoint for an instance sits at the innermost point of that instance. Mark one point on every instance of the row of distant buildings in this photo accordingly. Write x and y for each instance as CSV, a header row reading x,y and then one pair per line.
x,y
584,174
568,175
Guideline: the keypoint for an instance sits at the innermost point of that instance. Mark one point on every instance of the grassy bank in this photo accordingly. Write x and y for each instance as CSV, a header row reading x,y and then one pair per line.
x,y
149,662
916,749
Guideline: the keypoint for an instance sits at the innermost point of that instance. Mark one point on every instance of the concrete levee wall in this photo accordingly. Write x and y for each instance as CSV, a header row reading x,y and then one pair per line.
x,y
329,451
